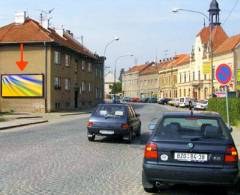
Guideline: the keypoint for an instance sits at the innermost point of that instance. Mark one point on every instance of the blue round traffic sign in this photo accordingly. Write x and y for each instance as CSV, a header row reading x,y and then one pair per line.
x,y
224,74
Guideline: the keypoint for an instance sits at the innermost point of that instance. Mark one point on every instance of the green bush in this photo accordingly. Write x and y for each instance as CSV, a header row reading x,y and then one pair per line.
x,y
219,105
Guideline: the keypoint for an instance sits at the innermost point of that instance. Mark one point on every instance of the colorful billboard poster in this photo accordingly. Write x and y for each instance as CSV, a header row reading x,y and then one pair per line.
x,y
22,85
206,68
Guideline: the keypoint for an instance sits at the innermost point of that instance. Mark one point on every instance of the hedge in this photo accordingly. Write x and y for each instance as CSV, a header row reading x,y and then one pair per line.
x,y
219,105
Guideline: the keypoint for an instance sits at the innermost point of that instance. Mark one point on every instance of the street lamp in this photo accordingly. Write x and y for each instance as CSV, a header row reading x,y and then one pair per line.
x,y
104,55
176,10
109,43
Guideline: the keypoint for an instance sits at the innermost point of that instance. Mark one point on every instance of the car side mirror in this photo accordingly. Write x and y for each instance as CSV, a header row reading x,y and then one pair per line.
x,y
151,126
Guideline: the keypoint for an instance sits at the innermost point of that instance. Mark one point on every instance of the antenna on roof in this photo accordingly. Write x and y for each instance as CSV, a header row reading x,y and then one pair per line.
x,y
45,17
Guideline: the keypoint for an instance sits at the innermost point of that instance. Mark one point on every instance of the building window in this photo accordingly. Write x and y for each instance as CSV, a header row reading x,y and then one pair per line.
x,y
80,90
57,105
57,83
67,84
83,86
89,67
89,87
96,72
67,60
185,77
199,75
96,91
83,65
57,57
180,77
205,77
193,76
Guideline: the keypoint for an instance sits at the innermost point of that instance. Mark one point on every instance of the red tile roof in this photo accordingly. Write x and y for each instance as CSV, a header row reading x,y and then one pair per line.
x,y
153,69
31,32
176,61
228,44
218,36
138,68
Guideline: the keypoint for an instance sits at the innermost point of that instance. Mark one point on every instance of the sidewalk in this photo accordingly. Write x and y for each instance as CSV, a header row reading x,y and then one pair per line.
x,y
14,120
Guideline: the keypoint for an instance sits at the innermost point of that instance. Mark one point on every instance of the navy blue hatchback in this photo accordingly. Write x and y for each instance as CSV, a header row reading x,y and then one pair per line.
x,y
114,120
190,149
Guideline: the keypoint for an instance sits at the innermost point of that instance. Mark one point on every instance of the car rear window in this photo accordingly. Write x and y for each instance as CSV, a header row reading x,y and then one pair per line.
x,y
110,111
191,127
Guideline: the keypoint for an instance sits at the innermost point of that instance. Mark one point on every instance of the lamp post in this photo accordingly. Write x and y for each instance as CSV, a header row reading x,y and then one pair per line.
x,y
176,10
109,43
104,55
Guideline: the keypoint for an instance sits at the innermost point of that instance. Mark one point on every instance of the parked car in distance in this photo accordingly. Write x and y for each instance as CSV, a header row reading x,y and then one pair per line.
x,y
190,148
176,102
152,100
201,105
135,99
114,120
184,102
171,102
144,100
164,100
126,99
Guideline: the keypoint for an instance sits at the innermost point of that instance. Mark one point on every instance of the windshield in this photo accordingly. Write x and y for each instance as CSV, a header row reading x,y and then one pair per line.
x,y
191,127
110,111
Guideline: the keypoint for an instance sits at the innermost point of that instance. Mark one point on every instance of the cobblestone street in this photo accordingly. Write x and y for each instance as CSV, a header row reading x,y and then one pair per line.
x,y
57,158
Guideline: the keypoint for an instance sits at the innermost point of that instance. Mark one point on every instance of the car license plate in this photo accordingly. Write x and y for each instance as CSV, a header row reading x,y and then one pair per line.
x,y
191,157
106,132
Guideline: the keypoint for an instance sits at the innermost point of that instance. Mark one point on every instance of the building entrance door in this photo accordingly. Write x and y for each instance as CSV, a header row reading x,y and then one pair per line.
x,y
76,92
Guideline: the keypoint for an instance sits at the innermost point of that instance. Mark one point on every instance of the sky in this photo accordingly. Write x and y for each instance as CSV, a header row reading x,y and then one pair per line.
x,y
147,28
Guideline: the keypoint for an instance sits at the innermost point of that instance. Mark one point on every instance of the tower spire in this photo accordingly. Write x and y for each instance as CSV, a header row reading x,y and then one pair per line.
x,y
214,12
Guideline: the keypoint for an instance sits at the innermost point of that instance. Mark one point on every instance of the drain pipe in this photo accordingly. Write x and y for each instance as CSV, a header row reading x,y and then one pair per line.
x,y
46,78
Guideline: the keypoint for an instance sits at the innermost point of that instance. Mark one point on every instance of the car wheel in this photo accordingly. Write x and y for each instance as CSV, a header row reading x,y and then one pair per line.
x,y
147,186
138,131
130,136
91,138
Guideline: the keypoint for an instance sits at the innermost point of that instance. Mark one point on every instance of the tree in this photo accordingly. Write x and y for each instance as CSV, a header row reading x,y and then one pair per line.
x,y
116,88
122,71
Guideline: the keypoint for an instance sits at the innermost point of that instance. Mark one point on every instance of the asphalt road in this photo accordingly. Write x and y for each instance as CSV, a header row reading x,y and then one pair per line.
x,y
58,159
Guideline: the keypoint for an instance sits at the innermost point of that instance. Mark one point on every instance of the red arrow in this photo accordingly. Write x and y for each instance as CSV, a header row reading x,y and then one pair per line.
x,y
21,64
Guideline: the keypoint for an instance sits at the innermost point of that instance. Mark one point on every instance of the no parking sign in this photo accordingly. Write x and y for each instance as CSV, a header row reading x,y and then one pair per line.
x,y
224,74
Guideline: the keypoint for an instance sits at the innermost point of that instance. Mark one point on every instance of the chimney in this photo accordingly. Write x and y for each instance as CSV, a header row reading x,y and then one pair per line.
x,y
60,32
69,33
20,17
45,23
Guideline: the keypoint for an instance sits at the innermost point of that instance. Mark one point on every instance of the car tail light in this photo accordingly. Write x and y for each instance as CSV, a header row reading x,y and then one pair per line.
x,y
151,151
231,154
90,124
125,126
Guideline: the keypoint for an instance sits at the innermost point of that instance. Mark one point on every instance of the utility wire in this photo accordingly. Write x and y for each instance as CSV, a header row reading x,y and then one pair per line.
x,y
230,13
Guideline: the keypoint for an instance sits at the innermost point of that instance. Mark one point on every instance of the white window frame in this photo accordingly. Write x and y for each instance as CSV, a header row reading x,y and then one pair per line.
x,y
83,86
89,67
57,57
83,65
67,60
57,82
67,84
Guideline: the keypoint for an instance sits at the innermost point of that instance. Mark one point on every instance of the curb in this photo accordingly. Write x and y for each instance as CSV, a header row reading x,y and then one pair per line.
x,y
76,114
22,125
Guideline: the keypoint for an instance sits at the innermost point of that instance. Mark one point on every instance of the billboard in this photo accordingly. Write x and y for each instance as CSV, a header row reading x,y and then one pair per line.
x,y
22,85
